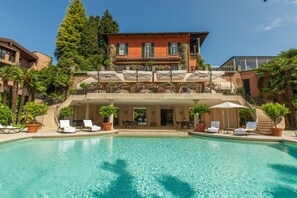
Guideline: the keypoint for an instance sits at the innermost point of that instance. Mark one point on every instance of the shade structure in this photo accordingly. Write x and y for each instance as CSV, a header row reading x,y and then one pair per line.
x,y
171,75
137,76
227,105
204,76
88,80
222,84
106,76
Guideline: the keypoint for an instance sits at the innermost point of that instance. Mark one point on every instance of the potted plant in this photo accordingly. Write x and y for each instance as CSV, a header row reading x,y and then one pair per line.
x,y
66,112
106,112
275,112
245,115
200,110
31,110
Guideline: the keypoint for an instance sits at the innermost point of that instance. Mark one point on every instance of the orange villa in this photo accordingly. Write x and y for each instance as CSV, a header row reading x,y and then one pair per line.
x,y
161,48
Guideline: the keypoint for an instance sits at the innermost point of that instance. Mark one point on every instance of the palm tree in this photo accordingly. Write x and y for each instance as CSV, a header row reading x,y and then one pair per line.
x,y
14,75
28,77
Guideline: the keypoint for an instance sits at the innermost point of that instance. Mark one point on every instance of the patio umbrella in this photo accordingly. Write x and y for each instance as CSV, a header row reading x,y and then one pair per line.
x,y
227,105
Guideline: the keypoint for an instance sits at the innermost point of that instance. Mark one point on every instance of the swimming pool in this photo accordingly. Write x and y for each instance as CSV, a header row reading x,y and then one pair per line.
x,y
146,167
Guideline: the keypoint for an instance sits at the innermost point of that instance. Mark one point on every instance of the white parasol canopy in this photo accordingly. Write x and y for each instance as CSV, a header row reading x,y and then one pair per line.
x,y
227,105
204,76
174,75
106,76
136,75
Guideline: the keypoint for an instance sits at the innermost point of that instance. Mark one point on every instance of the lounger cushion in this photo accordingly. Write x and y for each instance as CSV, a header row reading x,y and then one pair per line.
x,y
213,130
240,131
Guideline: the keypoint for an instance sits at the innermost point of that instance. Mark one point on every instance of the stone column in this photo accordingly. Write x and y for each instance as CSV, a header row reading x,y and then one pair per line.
x,y
87,116
111,117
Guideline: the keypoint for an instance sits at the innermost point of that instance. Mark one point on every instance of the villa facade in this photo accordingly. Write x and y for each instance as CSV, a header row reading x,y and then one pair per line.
x,y
159,94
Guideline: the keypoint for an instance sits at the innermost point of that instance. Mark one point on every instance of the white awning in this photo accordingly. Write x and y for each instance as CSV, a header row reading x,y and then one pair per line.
x,y
204,76
137,76
106,76
174,75
222,84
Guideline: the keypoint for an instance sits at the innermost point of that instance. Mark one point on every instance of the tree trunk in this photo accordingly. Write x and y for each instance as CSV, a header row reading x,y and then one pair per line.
x,y
24,91
289,96
14,101
31,93
4,98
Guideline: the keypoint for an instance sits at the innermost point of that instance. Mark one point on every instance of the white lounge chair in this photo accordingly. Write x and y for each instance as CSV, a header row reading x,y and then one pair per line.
x,y
65,127
89,125
250,127
214,127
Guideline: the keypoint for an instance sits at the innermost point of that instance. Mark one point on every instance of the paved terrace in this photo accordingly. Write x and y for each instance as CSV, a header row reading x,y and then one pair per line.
x,y
288,136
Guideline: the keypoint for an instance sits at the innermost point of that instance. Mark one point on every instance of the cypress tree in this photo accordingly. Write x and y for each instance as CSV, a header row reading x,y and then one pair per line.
x,y
107,25
69,34
89,37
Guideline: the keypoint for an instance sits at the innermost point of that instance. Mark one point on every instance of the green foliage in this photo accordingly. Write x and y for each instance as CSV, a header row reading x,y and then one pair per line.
x,y
278,79
69,33
5,115
108,110
200,109
185,61
57,97
200,63
85,85
245,115
149,65
275,111
240,90
32,110
66,112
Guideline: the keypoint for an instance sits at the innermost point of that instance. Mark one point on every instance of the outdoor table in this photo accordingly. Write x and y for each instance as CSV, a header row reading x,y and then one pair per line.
x,y
9,129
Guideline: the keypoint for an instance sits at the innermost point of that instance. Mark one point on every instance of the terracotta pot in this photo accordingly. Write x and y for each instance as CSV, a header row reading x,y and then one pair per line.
x,y
200,127
276,131
32,128
107,126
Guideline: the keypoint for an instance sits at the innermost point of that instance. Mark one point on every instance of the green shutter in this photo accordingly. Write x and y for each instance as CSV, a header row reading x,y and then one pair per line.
x,y
126,49
178,48
169,48
117,48
143,44
153,50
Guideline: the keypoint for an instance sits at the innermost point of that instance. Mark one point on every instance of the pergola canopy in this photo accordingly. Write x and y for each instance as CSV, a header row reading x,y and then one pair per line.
x,y
204,76
106,76
137,76
171,75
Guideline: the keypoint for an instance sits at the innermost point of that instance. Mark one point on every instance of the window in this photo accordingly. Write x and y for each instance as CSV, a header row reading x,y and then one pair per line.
x,y
122,49
173,48
148,50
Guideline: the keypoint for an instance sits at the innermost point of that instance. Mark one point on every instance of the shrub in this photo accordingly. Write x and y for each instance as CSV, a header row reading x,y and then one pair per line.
x,y
32,110
107,111
200,109
5,114
245,115
275,111
66,112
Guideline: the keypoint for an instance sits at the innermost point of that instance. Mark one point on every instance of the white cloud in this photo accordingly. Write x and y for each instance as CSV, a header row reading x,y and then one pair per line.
x,y
275,23
287,1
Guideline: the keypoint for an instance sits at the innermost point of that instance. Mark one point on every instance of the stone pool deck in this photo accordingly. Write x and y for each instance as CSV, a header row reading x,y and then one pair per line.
x,y
288,136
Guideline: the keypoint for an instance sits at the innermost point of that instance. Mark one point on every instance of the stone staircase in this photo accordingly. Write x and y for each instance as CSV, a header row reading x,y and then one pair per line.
x,y
48,120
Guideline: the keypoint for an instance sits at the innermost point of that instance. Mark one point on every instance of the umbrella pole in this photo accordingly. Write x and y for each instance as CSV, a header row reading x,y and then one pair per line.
x,y
228,117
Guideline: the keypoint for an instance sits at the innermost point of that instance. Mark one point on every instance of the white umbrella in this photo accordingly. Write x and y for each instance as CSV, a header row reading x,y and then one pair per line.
x,y
227,105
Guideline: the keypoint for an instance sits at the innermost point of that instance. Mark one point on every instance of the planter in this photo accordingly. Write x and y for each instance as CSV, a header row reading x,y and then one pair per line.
x,y
200,127
276,131
107,126
32,128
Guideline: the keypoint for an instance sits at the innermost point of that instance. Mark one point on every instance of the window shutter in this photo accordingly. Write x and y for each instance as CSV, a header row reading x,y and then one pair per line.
x,y
153,49
117,48
178,48
143,44
169,48
126,49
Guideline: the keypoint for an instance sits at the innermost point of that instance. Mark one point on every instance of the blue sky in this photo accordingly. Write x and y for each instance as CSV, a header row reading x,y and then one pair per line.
x,y
237,27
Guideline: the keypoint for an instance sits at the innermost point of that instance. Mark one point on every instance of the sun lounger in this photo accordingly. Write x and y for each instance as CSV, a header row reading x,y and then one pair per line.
x,y
214,127
240,131
65,127
89,125
251,127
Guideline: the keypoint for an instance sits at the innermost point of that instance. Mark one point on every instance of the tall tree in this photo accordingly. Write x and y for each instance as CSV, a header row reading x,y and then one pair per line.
x,y
14,76
90,45
69,34
278,79
107,25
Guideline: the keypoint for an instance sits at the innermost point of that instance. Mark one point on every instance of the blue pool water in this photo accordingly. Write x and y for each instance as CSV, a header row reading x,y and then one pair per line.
x,y
146,167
